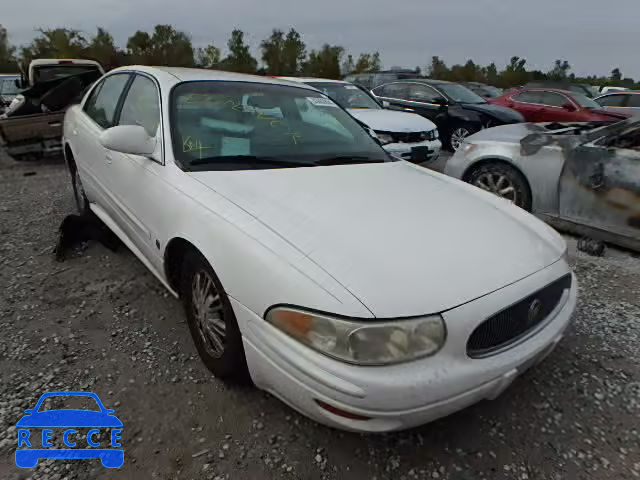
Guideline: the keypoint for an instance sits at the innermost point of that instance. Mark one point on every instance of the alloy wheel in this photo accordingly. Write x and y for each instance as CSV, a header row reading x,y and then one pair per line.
x,y
458,136
498,184
209,314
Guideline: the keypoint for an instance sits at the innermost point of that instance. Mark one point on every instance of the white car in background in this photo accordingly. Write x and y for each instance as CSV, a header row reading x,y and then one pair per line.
x,y
368,293
403,134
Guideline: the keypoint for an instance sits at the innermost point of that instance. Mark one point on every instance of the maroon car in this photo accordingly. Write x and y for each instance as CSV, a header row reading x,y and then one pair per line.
x,y
555,105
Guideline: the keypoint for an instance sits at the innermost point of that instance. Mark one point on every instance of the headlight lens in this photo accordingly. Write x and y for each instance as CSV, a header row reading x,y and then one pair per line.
x,y
362,342
384,138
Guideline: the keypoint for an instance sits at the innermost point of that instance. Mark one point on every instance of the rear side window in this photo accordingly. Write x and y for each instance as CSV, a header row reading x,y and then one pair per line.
x,y
554,99
102,104
634,101
528,97
141,105
613,101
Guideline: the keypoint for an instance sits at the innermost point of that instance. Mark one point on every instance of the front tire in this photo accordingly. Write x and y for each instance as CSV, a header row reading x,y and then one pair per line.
x,y
80,198
502,180
211,320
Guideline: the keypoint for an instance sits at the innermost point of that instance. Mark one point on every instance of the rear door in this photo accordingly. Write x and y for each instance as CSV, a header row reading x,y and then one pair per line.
x,y
600,187
528,103
553,108
98,114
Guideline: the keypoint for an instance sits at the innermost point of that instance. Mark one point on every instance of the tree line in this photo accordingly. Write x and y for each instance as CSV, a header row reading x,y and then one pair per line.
x,y
282,53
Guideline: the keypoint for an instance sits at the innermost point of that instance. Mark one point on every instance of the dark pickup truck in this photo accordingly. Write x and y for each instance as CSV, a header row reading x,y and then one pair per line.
x,y
32,125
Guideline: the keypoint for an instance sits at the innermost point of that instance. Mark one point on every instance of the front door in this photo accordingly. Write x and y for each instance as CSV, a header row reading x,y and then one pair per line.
x,y
136,182
600,186
92,158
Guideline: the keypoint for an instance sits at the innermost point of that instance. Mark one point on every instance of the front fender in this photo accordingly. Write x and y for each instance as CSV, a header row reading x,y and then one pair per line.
x,y
256,266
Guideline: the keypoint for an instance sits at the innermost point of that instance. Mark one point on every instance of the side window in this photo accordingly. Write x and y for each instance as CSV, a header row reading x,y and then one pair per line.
x,y
634,101
554,99
528,97
613,101
423,93
102,104
141,106
393,90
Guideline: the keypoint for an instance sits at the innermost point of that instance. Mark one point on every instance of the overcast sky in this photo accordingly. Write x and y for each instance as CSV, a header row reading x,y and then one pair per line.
x,y
595,36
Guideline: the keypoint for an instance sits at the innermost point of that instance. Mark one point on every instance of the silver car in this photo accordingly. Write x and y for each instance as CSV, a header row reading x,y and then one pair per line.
x,y
583,178
626,101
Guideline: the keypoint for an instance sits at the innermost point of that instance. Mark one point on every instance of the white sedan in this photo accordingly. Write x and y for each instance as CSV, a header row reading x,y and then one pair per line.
x,y
367,293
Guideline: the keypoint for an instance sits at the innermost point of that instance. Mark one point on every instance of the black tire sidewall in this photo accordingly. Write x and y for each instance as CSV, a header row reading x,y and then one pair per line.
x,y
232,364
516,178
84,208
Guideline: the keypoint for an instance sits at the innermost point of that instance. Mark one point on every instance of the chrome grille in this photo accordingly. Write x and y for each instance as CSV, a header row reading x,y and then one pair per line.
x,y
514,322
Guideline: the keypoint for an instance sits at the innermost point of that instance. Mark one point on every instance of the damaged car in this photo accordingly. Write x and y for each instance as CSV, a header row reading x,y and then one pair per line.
x,y
279,232
582,178
31,125
402,134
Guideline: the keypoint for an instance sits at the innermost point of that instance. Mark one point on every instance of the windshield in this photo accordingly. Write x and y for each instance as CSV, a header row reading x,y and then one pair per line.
x,y
346,95
240,125
53,72
584,101
459,94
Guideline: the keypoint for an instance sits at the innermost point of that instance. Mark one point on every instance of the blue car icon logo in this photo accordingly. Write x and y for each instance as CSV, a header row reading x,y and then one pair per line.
x,y
29,442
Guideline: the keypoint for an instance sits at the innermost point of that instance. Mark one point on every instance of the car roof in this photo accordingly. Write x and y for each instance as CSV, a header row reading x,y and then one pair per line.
x,y
546,89
170,76
312,79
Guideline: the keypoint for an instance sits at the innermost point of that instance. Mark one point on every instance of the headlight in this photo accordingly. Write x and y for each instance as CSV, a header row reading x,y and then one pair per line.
x,y
384,138
362,342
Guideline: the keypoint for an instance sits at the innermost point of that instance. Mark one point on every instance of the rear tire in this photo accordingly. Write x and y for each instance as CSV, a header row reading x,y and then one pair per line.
x,y
211,320
457,134
504,181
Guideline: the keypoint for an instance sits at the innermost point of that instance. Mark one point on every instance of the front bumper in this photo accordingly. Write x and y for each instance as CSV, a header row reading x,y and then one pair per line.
x,y
401,396
418,152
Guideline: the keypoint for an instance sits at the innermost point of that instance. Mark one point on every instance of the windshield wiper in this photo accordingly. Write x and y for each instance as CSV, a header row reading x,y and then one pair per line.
x,y
253,160
347,159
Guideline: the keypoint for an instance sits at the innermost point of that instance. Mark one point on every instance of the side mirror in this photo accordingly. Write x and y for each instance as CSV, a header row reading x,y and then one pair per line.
x,y
440,101
29,410
569,107
109,411
132,139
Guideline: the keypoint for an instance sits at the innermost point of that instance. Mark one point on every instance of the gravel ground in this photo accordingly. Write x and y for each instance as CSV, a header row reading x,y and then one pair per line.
x,y
100,322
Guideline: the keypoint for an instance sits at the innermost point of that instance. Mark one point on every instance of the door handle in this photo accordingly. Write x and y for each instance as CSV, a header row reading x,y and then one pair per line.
x,y
55,124
596,179
108,157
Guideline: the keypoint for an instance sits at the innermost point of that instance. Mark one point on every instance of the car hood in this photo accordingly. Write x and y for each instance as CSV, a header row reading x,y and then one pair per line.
x,y
512,133
503,114
403,240
392,121
69,418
